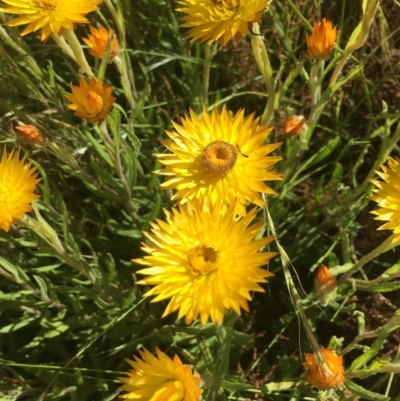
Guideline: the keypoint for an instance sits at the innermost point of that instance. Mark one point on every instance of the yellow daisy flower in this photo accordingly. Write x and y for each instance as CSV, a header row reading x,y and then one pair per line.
x,y
97,42
160,379
388,197
17,188
220,20
220,156
91,101
51,16
205,261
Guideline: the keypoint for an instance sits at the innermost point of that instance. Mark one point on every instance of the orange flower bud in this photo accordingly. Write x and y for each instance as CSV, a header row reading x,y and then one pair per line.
x,y
29,134
324,377
91,100
322,40
294,125
97,42
325,285
324,278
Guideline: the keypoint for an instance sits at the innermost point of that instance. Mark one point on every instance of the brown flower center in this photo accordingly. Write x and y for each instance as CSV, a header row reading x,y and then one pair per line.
x,y
219,157
93,103
203,259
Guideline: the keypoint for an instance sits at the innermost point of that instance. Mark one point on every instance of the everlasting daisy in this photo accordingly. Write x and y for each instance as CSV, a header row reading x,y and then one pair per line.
x,y
51,16
322,40
160,379
316,375
387,195
97,42
219,156
220,20
205,261
91,101
18,181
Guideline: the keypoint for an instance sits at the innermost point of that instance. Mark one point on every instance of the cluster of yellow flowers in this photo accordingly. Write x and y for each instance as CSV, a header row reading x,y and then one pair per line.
x,y
206,257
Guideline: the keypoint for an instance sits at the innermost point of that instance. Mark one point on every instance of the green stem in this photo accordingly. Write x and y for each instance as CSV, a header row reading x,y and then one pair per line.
x,y
299,14
383,247
125,82
315,85
118,22
76,47
118,169
65,47
362,37
262,60
206,71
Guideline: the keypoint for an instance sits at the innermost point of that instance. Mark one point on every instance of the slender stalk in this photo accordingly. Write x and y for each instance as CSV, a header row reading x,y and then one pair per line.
x,y
299,14
362,37
315,85
118,169
383,247
262,60
397,367
125,82
206,71
65,47
118,22
76,47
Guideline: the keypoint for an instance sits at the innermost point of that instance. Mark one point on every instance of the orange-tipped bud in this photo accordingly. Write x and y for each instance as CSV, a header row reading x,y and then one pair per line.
x,y
331,375
322,40
97,42
325,284
29,134
325,278
295,125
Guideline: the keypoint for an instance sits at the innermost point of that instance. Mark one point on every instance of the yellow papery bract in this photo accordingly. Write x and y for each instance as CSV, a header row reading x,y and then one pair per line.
x,y
205,261
18,181
220,20
387,195
51,16
91,101
160,379
220,156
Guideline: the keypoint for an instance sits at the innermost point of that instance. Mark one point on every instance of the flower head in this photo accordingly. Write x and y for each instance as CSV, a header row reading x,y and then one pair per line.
x,y
387,195
219,156
52,16
205,261
17,186
220,20
322,40
29,133
160,379
294,125
91,101
321,377
97,41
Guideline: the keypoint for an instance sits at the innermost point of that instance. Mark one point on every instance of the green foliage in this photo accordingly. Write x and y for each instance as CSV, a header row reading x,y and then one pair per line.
x,y
70,309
